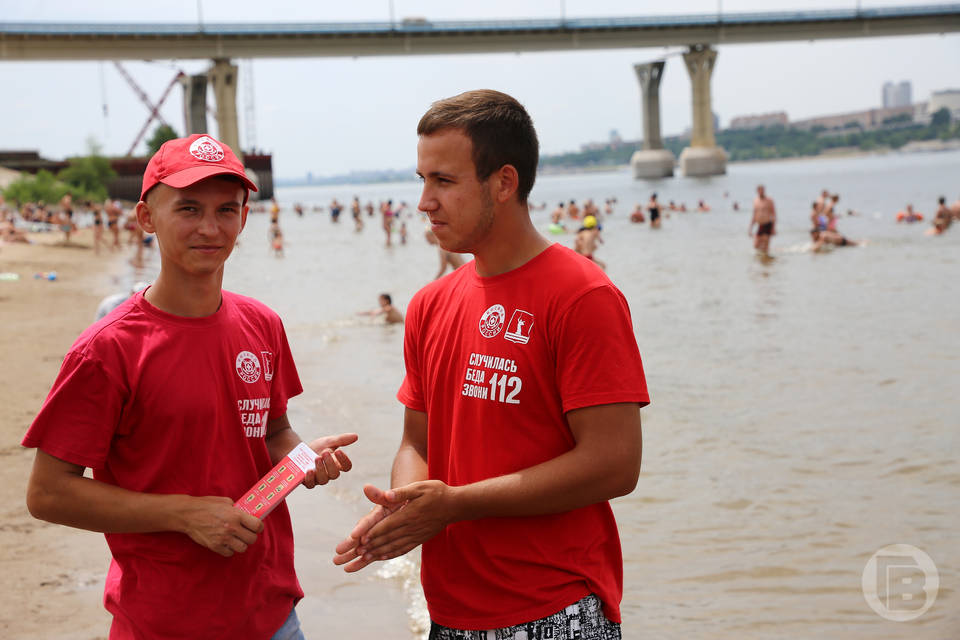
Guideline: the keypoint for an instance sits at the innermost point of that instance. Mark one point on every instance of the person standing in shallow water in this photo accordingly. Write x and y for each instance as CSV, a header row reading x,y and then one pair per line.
x,y
764,217
653,208
521,417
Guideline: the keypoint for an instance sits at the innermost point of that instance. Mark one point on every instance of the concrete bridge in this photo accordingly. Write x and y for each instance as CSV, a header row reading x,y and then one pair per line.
x,y
221,42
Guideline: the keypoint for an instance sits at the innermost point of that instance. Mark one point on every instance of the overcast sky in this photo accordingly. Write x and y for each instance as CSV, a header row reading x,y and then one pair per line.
x,y
333,115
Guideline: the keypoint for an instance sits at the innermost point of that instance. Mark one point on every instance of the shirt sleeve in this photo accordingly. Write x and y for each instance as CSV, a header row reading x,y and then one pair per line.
x,y
80,415
598,361
411,390
286,381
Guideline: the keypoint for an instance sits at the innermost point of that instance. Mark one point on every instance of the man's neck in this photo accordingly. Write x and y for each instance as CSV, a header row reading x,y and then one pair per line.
x,y
512,243
191,298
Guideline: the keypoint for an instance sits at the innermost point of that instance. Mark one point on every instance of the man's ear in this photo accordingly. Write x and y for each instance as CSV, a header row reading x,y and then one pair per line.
x,y
243,216
506,183
145,217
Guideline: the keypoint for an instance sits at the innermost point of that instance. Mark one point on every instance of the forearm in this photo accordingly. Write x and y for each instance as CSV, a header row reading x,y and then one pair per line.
x,y
85,503
409,466
565,483
281,442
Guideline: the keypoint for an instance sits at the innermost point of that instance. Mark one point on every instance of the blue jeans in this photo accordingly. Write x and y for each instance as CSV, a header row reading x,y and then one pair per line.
x,y
290,629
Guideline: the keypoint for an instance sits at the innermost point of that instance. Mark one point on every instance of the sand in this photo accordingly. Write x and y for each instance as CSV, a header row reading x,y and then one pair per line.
x,y
52,576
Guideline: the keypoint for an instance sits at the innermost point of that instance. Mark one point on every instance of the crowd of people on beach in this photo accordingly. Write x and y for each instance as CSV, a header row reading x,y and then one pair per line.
x,y
393,217
110,218
107,220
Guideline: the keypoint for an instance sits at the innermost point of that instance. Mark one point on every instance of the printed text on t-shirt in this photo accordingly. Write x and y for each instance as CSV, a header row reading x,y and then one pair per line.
x,y
253,416
498,386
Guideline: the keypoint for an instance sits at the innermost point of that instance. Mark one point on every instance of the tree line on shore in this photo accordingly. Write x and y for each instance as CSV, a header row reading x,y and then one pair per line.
x,y
764,143
85,177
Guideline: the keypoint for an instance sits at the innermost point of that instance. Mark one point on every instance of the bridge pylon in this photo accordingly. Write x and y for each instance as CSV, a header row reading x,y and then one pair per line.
x,y
194,103
223,76
703,157
653,161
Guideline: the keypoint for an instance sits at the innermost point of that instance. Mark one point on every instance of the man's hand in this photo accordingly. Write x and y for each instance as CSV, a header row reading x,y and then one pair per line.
x,y
332,461
348,549
213,522
404,518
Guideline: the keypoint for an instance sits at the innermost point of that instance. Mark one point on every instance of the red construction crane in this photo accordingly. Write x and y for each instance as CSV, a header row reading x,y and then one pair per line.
x,y
154,108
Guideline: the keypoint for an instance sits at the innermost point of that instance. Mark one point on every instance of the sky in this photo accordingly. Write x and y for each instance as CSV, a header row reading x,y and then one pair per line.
x,y
330,116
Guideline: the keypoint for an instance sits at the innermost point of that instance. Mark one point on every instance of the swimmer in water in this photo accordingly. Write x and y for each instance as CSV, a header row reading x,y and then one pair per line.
x,y
909,215
943,217
387,310
276,239
586,240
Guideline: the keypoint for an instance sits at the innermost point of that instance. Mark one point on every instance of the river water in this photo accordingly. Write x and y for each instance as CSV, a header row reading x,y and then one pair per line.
x,y
804,410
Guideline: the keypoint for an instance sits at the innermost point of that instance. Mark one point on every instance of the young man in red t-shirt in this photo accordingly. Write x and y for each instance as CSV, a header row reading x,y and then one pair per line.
x,y
177,401
522,393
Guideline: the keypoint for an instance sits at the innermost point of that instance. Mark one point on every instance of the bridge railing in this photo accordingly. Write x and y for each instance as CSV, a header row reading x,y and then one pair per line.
x,y
421,26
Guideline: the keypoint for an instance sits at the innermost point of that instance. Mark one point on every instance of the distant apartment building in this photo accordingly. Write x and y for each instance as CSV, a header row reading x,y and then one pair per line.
x,y
897,95
949,98
755,121
869,119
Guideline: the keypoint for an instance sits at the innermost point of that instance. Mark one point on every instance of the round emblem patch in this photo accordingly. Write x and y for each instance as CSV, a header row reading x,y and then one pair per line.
x,y
492,321
248,367
206,148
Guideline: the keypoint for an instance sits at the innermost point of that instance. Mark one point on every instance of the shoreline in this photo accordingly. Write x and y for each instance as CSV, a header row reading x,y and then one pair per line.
x,y
53,576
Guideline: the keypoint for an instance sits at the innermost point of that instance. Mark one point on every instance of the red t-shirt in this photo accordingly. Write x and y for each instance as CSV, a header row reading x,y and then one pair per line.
x,y
163,404
496,363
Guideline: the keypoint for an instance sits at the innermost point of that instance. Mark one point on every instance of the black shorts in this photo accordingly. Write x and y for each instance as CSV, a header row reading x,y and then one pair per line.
x,y
765,229
583,620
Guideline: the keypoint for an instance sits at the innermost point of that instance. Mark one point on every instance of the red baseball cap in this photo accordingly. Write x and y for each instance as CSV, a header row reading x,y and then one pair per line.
x,y
185,161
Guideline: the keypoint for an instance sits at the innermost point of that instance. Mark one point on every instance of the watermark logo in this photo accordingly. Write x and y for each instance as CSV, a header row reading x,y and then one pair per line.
x,y
900,582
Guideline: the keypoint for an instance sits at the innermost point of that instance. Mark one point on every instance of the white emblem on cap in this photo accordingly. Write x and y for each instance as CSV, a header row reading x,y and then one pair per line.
x,y
206,148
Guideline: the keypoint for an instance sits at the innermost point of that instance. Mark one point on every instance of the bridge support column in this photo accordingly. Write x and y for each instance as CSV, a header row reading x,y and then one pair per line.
x,y
703,157
223,77
653,161
194,104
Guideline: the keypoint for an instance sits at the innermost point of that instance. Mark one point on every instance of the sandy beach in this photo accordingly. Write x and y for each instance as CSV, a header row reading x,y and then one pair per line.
x,y
53,576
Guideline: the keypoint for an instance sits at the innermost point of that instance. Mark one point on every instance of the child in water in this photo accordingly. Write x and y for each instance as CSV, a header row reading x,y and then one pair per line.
x,y
391,314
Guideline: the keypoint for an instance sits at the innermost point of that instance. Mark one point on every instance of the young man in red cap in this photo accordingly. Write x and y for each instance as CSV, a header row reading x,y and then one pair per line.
x,y
522,393
177,401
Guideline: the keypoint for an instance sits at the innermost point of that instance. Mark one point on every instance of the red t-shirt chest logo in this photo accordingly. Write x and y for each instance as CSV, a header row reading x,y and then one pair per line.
x,y
491,322
521,323
248,367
